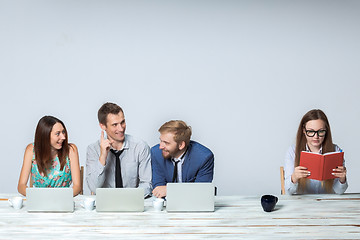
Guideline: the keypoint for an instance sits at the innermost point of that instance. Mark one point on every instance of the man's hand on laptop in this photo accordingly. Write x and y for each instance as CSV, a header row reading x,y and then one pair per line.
x,y
159,191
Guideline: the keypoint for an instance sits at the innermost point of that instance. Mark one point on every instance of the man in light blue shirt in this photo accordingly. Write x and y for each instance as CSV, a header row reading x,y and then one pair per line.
x,y
117,159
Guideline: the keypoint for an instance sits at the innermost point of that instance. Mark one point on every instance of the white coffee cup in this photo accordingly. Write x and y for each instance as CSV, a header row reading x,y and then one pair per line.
x,y
158,204
16,202
88,204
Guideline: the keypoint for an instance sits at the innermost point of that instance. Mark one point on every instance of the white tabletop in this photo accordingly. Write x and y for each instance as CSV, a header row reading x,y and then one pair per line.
x,y
235,217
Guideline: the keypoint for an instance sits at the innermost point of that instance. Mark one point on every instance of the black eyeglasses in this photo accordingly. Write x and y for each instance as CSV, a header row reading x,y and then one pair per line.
x,y
311,133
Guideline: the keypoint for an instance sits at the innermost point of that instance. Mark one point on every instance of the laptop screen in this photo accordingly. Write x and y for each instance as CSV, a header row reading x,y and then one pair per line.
x,y
190,197
49,200
120,199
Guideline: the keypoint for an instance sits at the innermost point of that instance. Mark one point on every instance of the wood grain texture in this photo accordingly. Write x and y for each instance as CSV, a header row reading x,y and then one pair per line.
x,y
235,217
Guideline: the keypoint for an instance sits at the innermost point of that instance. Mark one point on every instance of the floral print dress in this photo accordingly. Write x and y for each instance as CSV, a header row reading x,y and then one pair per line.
x,y
55,177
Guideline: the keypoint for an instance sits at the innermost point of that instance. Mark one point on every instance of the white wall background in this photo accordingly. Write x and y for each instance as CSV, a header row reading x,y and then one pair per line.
x,y
241,73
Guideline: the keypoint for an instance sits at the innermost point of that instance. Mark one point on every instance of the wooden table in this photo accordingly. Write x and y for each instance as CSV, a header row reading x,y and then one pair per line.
x,y
235,217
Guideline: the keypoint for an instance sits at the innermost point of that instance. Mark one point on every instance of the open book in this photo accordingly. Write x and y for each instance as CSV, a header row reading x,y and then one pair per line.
x,y
321,165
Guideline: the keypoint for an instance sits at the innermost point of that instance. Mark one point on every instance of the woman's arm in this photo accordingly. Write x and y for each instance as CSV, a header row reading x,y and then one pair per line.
x,y
75,168
340,183
26,169
290,187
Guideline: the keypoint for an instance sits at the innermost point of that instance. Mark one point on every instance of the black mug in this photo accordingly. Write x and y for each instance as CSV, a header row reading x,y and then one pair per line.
x,y
268,202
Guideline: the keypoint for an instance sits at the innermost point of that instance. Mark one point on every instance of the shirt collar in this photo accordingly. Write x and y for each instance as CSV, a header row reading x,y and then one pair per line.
x,y
308,149
181,158
125,144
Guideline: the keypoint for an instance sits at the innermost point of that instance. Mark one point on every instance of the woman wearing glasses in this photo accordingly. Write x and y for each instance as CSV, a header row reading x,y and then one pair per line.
x,y
313,135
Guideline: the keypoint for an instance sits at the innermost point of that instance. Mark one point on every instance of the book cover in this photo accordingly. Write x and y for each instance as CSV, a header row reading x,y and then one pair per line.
x,y
321,165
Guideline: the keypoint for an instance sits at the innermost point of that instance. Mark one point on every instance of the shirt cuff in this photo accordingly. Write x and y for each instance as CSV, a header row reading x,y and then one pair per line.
x,y
339,187
292,188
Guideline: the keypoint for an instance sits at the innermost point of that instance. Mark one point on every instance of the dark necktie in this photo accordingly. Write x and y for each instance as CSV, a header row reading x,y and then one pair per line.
x,y
118,178
175,175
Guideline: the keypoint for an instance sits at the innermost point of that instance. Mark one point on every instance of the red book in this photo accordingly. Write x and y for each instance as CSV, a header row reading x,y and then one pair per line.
x,y
321,165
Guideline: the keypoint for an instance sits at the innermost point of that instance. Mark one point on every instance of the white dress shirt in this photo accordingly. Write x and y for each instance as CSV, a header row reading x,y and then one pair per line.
x,y
313,186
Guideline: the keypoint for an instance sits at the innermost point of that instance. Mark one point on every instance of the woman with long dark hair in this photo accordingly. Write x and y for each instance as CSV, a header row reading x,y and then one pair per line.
x,y
313,135
51,160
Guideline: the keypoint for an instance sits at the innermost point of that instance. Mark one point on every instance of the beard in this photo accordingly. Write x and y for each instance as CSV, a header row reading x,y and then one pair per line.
x,y
170,154
166,154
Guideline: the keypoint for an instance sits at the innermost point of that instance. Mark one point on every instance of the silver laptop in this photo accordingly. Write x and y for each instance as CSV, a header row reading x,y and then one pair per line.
x,y
119,199
49,200
190,197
